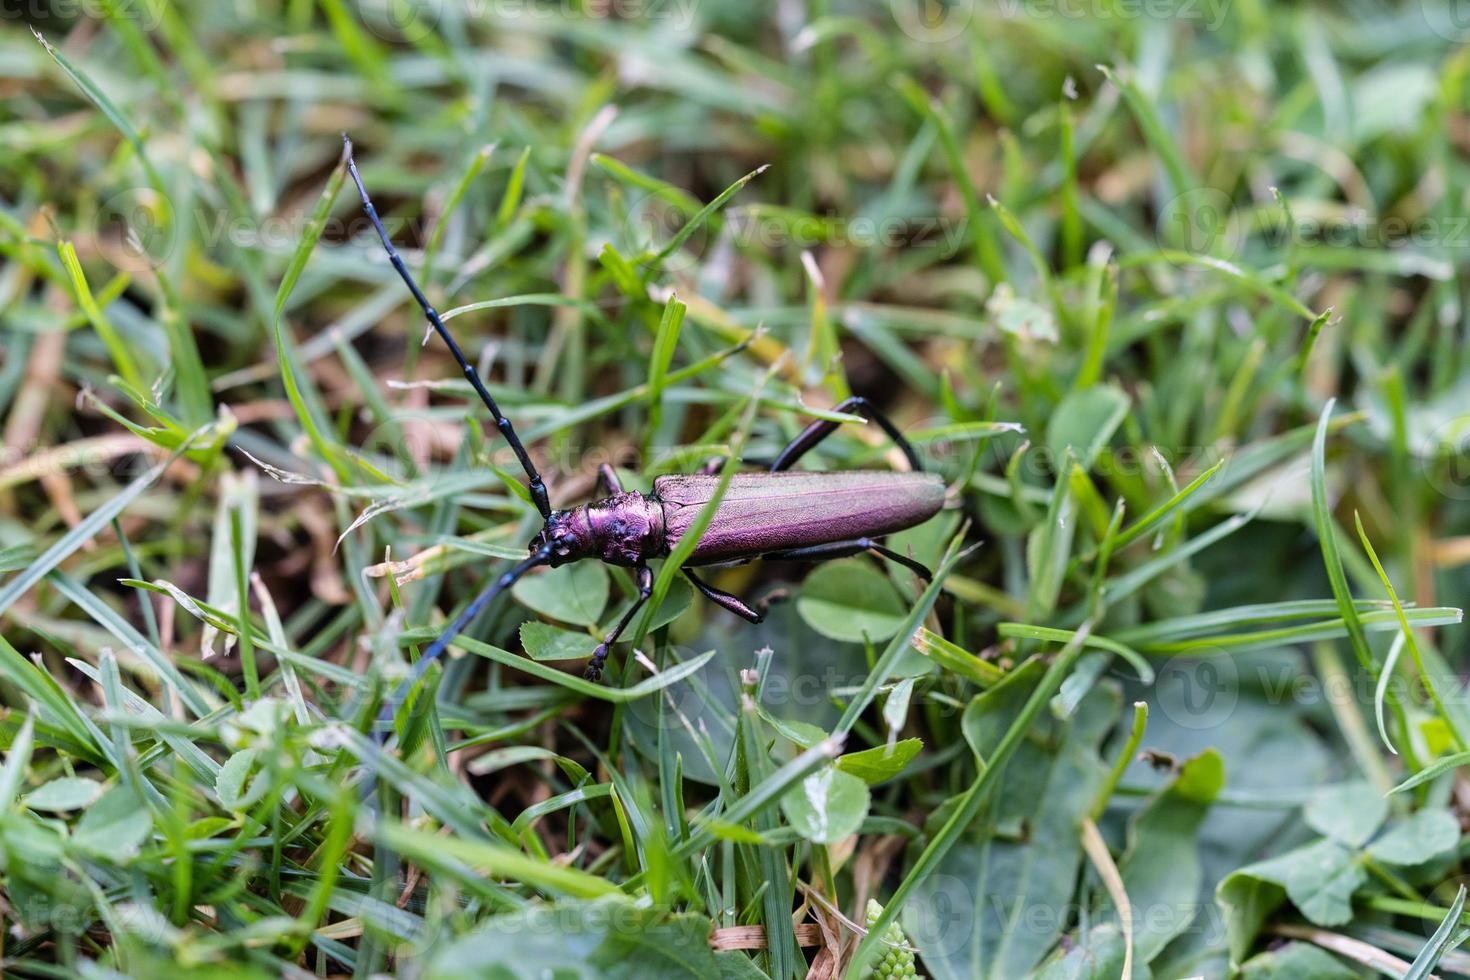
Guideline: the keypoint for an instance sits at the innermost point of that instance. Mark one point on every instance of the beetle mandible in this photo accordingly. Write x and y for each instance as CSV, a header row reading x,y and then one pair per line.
x,y
777,514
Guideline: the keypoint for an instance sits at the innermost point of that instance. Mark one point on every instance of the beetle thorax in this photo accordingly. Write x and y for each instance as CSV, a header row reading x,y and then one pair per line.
x,y
624,529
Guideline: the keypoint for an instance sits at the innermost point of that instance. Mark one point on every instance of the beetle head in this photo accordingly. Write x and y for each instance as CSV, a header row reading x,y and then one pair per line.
x,y
567,535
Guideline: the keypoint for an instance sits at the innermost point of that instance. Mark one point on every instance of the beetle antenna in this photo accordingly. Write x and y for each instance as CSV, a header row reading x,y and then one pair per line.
x,y
537,487
540,556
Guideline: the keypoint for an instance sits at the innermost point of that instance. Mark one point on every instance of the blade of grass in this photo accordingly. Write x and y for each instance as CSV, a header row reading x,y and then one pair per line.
x,y
969,803
87,529
1407,631
664,344
1327,538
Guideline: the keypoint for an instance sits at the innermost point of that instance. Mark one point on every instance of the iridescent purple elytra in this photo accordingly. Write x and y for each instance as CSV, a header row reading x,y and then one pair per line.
x,y
781,514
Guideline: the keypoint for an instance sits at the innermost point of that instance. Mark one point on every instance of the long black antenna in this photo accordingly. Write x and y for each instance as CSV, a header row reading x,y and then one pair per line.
x,y
537,487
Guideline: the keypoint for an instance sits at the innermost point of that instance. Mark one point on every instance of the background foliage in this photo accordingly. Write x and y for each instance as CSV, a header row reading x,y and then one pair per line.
x,y
1171,293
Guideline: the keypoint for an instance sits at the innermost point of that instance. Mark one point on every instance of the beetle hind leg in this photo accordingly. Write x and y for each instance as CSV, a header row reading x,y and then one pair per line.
x,y
822,428
844,549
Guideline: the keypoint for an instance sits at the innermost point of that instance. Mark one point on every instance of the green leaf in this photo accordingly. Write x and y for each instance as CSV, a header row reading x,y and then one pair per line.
x,y
230,786
1296,961
1161,869
13,772
117,347
1320,880
66,793
975,916
115,827
613,939
575,593
882,762
735,965
1420,836
1348,812
1084,422
53,701
1159,135
697,222
545,642
664,343
1451,719
1098,955
851,600
826,806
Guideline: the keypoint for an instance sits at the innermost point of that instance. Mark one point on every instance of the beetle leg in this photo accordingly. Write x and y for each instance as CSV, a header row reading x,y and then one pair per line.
x,y
822,428
607,479
599,655
721,598
842,549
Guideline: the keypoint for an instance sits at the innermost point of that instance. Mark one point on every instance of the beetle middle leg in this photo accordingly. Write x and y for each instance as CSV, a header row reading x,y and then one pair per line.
x,y
844,549
599,655
822,428
724,599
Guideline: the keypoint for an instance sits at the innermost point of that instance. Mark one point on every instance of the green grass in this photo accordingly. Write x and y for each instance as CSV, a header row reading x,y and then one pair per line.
x,y
1176,305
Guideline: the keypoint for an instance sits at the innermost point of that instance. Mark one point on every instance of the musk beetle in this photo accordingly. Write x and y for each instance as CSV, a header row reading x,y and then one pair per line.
x,y
777,514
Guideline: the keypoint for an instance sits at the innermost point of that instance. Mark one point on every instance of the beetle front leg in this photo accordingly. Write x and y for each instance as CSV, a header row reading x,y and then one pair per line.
x,y
843,549
599,655
607,479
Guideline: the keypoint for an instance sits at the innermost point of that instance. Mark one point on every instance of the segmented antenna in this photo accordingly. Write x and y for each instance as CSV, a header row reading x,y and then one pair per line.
x,y
537,487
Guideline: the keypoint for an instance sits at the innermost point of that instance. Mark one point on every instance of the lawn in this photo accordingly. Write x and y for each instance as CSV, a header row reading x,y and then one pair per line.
x,y
1171,294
